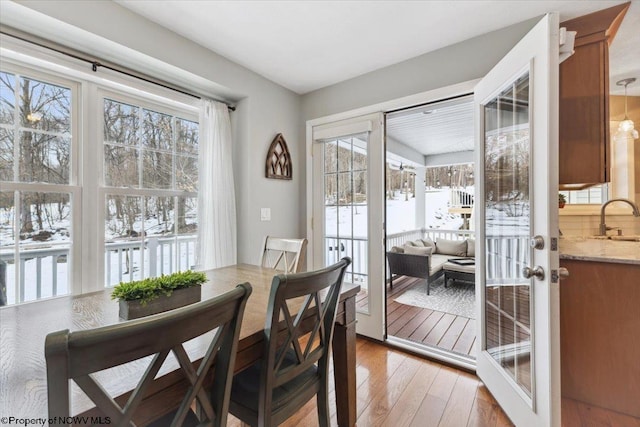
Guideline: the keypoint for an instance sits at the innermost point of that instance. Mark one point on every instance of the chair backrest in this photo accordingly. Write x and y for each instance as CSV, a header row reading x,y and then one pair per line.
x,y
318,291
284,254
77,355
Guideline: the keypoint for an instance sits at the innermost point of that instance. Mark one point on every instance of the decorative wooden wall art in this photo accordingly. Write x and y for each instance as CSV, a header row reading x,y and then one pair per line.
x,y
278,163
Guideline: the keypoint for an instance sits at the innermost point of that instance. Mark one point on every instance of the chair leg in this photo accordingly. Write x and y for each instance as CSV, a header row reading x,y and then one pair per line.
x,y
323,407
428,286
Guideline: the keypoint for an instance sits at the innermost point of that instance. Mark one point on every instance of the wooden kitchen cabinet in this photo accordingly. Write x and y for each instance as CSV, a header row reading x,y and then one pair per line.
x,y
584,100
600,334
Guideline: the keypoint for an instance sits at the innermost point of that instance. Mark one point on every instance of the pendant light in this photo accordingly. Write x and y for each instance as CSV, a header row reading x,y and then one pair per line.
x,y
626,127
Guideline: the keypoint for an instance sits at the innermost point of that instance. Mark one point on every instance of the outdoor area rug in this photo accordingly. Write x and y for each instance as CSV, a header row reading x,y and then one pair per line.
x,y
459,298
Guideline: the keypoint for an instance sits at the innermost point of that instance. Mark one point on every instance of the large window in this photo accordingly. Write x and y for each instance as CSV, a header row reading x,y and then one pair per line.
x,y
151,183
36,151
136,168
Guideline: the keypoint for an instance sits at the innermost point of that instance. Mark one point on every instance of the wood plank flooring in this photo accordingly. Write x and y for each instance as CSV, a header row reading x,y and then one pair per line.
x,y
398,389
401,390
424,326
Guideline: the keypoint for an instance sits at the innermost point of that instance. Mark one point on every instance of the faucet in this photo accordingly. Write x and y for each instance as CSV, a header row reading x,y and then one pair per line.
x,y
603,226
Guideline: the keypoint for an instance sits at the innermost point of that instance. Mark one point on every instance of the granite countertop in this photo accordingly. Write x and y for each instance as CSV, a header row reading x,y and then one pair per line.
x,y
589,249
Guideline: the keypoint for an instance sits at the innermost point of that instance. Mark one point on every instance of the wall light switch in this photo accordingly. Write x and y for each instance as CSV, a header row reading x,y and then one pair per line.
x,y
265,214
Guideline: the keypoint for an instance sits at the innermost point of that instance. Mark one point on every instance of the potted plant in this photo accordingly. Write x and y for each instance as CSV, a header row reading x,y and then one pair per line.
x,y
561,200
157,294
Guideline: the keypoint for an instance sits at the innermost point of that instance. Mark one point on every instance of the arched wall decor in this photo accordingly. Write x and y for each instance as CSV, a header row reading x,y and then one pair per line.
x,y
278,163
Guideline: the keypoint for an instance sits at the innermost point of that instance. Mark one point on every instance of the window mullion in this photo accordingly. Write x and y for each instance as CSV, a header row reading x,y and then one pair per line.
x,y
16,244
16,122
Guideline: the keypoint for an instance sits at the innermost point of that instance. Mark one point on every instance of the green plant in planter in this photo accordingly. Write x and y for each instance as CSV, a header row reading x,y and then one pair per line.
x,y
153,287
561,199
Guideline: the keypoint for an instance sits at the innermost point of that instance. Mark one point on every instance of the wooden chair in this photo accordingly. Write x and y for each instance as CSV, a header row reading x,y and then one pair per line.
x,y
284,254
77,355
295,361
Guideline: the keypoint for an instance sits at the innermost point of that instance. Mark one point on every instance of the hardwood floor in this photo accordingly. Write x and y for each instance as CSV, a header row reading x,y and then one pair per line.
x,y
399,389
424,326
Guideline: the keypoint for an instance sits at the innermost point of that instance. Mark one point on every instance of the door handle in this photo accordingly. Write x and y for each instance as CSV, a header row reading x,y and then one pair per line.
x,y
563,273
537,242
537,271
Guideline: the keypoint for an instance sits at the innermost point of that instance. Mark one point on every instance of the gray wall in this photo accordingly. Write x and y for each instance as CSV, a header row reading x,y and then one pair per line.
x,y
464,61
453,64
264,108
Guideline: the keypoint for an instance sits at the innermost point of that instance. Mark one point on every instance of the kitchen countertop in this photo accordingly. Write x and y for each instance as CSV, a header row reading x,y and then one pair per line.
x,y
589,249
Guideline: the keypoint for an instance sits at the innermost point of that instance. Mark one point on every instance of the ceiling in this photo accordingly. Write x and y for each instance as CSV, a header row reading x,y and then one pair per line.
x,y
443,127
307,45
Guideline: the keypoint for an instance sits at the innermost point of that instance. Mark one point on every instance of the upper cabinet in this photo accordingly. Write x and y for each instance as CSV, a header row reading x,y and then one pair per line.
x,y
584,100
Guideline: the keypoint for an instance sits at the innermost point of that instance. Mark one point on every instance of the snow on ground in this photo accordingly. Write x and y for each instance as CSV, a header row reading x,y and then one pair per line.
x,y
350,221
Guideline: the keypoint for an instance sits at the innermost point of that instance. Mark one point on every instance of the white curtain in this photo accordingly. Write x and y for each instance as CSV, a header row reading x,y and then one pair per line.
x,y
217,233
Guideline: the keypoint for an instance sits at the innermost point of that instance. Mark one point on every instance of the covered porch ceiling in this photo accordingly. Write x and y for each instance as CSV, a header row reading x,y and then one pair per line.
x,y
435,134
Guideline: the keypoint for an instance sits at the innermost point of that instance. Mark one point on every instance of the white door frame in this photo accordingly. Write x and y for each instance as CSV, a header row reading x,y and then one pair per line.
x,y
538,53
433,95
457,89
371,322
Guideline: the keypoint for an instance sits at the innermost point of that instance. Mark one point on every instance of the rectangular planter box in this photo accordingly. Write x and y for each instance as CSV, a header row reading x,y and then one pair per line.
x,y
179,298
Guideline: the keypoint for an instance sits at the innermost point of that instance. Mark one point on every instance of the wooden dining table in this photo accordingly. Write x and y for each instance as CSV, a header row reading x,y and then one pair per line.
x,y
23,328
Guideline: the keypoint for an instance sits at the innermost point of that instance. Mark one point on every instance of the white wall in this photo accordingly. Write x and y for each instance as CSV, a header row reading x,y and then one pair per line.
x,y
264,108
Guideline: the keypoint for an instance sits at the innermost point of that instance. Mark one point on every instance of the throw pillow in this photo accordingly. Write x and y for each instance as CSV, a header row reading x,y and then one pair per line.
x,y
429,243
471,247
397,249
415,250
418,243
409,244
451,247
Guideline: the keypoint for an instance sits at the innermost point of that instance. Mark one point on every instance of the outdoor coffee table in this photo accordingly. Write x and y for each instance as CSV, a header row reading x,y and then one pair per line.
x,y
463,269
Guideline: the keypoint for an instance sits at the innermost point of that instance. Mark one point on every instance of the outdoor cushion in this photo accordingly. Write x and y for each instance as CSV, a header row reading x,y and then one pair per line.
x,y
429,243
471,248
397,249
451,247
415,250
436,262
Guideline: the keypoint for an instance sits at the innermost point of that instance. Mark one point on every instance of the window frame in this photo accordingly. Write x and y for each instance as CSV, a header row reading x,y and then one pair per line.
x,y
86,177
73,187
104,190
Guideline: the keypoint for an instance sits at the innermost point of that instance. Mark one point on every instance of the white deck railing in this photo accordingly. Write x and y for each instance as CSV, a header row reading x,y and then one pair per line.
x,y
505,255
41,276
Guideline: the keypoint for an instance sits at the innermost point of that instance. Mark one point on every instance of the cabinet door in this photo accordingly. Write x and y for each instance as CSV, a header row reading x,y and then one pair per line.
x,y
584,115
584,99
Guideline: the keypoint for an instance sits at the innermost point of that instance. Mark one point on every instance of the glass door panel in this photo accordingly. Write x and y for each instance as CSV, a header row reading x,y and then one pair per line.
x,y
518,292
345,208
507,229
348,210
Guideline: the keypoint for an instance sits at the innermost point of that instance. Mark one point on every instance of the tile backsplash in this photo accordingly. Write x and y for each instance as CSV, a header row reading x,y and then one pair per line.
x,y
588,225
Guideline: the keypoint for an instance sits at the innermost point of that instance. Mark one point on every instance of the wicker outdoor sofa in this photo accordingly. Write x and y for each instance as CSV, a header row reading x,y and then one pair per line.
x,y
425,259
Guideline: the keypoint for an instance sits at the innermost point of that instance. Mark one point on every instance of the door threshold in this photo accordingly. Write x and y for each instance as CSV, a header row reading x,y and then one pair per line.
x,y
465,362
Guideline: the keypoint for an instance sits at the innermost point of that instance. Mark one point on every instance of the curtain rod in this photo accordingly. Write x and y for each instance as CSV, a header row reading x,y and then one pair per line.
x,y
95,64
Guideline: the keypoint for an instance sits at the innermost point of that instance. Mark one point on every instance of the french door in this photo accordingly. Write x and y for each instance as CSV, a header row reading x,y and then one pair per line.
x,y
348,210
517,226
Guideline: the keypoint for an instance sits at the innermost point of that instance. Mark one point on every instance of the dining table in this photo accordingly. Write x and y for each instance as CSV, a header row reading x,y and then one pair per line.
x,y
23,328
